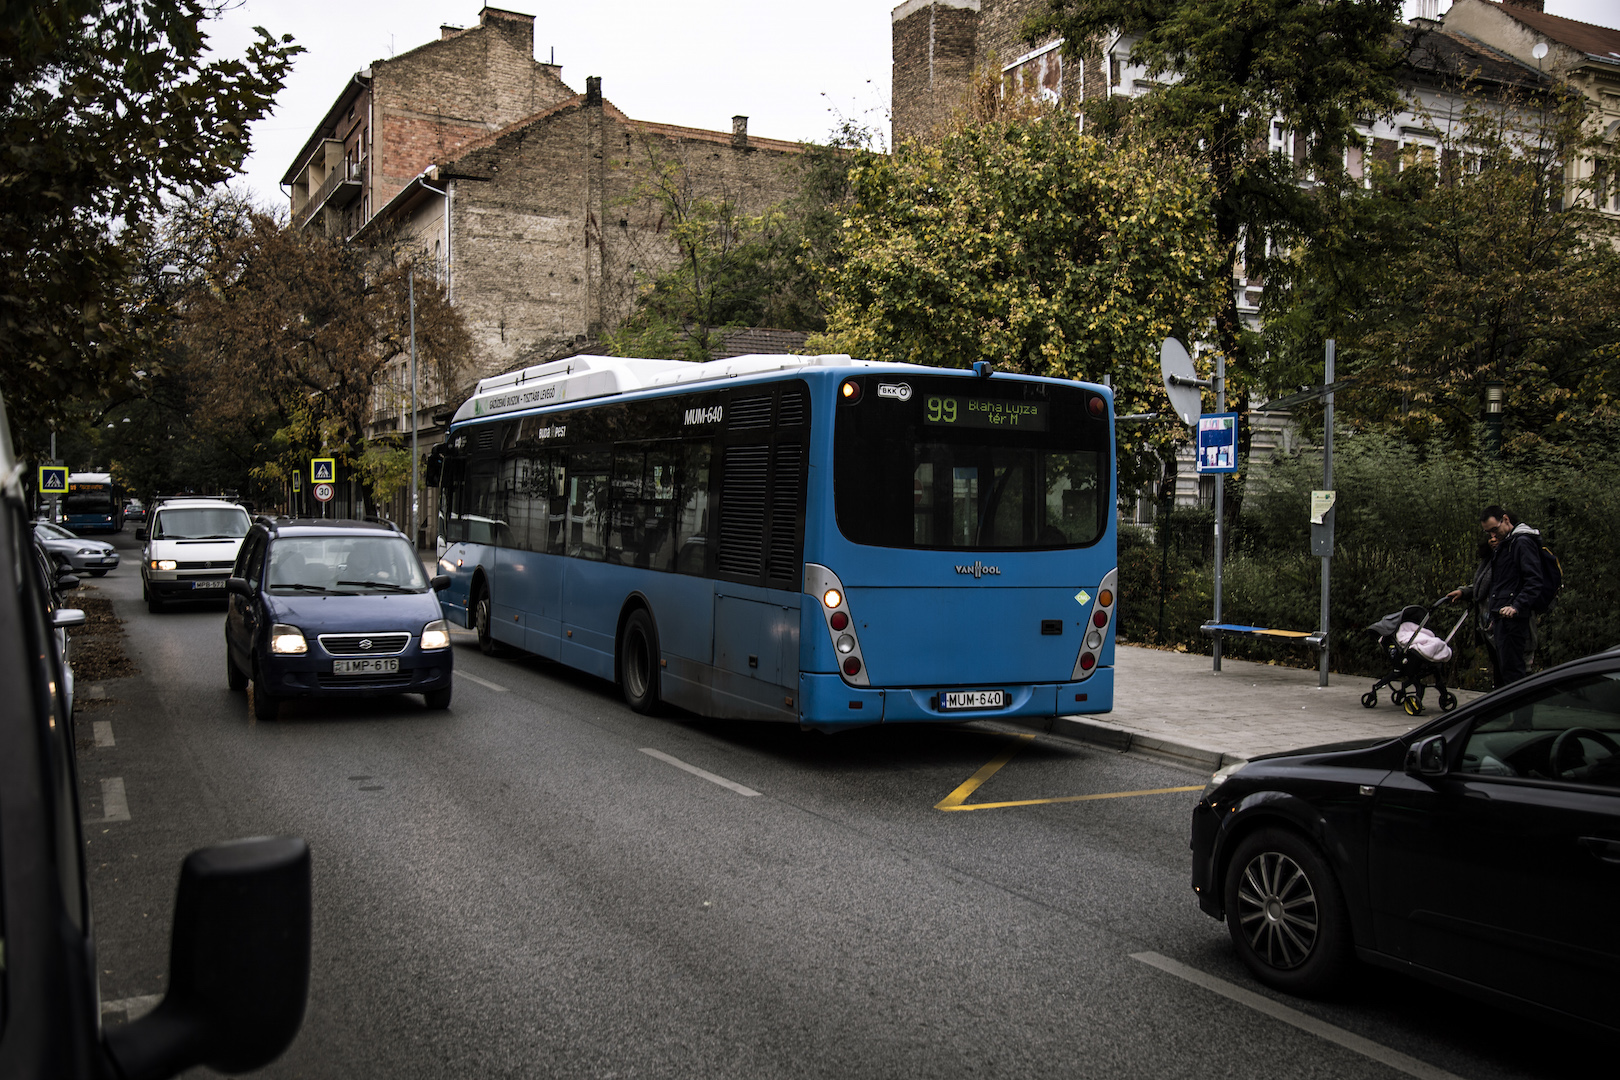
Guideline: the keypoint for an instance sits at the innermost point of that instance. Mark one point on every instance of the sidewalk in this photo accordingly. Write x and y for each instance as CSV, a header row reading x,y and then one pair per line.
x,y
1174,704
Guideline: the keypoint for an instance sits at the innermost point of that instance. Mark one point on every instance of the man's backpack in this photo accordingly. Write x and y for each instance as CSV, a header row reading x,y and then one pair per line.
x,y
1552,577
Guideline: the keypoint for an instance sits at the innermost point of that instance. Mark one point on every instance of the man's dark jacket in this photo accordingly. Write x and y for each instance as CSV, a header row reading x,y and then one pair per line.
x,y
1516,578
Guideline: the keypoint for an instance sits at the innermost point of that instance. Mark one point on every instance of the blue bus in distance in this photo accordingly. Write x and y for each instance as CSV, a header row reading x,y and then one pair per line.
x,y
816,540
94,503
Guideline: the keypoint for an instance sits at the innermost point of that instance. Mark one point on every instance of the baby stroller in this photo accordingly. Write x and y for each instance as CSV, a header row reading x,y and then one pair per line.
x,y
1416,655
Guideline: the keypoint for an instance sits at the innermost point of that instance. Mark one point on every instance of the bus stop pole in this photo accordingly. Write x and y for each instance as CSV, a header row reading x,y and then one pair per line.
x,y
1220,503
1327,485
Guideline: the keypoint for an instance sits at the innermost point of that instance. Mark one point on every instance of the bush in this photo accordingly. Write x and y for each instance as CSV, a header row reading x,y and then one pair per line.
x,y
1407,531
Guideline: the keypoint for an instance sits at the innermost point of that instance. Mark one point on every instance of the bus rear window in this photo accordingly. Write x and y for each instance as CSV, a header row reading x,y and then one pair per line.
x,y
952,463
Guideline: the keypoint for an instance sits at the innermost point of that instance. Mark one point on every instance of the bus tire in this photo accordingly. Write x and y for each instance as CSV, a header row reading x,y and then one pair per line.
x,y
481,623
638,662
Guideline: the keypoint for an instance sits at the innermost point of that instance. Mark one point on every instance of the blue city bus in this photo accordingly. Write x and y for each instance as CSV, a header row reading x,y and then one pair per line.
x,y
818,540
94,503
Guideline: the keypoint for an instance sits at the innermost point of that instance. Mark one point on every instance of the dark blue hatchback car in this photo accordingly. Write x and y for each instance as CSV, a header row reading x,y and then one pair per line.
x,y
333,609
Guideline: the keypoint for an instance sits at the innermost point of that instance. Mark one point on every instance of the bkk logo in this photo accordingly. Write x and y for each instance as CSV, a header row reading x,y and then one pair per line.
x,y
978,570
898,391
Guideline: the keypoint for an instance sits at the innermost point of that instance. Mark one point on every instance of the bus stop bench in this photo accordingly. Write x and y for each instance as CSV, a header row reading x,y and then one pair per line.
x,y
1314,638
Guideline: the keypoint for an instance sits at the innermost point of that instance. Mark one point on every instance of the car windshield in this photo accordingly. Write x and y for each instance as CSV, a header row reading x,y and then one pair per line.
x,y
201,523
55,532
344,564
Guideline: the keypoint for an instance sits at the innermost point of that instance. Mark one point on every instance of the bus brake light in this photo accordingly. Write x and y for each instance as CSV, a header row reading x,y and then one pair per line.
x,y
839,620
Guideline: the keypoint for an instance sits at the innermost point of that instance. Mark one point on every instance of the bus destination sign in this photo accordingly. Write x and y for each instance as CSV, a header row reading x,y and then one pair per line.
x,y
968,412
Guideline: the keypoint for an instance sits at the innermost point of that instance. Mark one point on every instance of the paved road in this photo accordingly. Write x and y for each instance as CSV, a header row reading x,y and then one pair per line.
x,y
518,887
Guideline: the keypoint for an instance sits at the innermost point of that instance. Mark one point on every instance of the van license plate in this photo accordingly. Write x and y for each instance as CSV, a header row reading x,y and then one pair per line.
x,y
379,666
208,583
953,701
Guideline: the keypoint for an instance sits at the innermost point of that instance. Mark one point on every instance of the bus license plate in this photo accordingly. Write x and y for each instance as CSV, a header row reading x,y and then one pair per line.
x,y
379,666
972,699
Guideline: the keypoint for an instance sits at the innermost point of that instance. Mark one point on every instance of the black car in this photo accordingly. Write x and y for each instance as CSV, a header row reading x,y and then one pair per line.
x,y
1480,851
239,959
334,609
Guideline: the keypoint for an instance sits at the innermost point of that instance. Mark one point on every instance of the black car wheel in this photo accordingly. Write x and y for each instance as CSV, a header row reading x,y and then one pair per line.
x,y
154,602
1285,913
265,706
638,662
437,699
235,677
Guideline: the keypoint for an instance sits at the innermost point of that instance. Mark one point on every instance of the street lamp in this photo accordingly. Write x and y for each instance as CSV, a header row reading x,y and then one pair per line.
x,y
1493,418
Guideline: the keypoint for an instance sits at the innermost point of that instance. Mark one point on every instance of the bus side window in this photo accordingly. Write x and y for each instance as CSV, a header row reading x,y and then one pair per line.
x,y
589,473
690,532
557,505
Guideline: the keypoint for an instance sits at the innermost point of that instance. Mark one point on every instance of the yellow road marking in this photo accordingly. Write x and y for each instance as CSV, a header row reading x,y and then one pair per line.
x,y
957,800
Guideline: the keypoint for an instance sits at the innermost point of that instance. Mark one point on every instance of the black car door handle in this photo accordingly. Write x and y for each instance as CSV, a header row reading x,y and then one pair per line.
x,y
1605,849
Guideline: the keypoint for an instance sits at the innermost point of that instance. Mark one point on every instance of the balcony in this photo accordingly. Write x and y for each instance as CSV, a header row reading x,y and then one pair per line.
x,y
340,188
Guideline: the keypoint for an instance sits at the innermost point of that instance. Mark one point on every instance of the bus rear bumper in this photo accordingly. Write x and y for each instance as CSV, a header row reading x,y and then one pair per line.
x,y
826,701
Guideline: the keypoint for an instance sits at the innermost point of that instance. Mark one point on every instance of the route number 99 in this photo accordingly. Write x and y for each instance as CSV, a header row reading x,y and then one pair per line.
x,y
941,410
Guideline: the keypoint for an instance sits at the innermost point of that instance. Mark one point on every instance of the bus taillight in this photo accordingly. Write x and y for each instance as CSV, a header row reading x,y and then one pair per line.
x,y
852,666
839,620
1102,612
824,585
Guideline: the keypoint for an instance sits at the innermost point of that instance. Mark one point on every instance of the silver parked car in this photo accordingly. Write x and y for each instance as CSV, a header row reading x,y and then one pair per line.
x,y
82,556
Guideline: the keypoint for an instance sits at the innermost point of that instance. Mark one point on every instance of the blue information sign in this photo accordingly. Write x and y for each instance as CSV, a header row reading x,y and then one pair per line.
x,y
53,479
1217,443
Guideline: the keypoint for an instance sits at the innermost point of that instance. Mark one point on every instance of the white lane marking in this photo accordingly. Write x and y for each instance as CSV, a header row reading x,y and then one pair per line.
x,y
1411,1066
730,785
103,730
497,687
114,804
135,1007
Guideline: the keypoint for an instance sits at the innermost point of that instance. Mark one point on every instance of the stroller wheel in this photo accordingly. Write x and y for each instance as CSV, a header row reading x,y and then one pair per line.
x,y
1448,701
1413,706
1396,696
1369,699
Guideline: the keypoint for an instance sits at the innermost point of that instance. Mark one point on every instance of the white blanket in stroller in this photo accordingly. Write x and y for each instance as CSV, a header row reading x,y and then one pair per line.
x,y
1426,644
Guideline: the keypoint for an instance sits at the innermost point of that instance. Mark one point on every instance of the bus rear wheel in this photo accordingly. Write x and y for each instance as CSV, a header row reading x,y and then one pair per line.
x,y
638,662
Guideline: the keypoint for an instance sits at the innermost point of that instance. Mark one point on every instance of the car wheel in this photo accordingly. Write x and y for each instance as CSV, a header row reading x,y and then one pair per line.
x,y
1285,913
154,603
265,706
235,678
638,662
437,699
481,623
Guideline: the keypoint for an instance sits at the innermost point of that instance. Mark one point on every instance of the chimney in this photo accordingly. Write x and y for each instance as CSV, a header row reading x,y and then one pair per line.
x,y
1528,5
593,90
446,32
739,132
1428,11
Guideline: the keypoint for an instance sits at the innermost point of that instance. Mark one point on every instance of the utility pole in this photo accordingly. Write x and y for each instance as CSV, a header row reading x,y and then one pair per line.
x,y
410,284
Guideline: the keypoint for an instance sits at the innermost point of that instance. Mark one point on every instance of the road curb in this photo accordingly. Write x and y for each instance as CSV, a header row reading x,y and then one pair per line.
x,y
1113,737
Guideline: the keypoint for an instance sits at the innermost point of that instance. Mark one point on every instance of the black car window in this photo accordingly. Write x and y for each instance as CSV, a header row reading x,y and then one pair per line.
x,y
1569,732
254,568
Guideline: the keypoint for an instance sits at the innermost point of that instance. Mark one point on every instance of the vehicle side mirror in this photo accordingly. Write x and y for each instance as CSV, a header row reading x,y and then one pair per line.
x,y
64,618
238,964
67,579
140,533
1428,757
441,582
435,467
239,586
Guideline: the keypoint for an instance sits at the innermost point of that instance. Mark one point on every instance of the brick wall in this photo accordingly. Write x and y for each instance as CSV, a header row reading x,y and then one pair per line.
x,y
934,50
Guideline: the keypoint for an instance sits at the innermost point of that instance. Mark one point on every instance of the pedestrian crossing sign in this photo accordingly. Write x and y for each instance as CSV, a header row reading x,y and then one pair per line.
x,y
323,470
53,479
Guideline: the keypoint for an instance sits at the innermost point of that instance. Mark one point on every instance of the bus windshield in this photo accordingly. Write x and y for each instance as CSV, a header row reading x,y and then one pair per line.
x,y
936,462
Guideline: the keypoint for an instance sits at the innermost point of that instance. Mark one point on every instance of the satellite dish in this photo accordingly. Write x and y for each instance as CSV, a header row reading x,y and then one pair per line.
x,y
1540,50
1181,382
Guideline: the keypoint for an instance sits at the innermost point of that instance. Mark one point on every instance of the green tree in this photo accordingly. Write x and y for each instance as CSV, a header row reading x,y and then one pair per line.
x,y
1473,265
1021,241
1225,71
107,108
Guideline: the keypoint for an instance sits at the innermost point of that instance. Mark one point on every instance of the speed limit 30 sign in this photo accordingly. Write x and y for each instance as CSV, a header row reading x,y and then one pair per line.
x,y
323,492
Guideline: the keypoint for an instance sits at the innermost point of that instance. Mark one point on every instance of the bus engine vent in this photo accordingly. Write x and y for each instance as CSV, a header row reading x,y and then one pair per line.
x,y
785,500
792,412
748,413
742,508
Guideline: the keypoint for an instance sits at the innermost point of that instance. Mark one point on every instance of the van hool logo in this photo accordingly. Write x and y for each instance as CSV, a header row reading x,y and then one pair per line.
x,y
898,391
978,570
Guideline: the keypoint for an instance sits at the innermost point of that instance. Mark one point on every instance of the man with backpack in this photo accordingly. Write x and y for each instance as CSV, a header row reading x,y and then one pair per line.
x,y
1519,590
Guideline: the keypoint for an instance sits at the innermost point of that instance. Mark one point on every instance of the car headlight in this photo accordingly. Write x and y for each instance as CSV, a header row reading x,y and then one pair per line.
x,y
1222,775
88,551
163,564
436,635
287,640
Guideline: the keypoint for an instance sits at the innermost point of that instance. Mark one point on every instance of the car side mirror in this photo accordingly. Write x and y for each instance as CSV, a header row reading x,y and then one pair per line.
x,y
239,586
140,533
67,579
238,964
441,582
64,618
1428,757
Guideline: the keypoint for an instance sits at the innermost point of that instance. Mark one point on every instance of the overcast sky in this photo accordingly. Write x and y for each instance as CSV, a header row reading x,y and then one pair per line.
x,y
792,68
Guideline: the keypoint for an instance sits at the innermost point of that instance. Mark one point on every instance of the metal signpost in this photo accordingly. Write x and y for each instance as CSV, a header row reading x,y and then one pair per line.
x,y
323,474
1182,383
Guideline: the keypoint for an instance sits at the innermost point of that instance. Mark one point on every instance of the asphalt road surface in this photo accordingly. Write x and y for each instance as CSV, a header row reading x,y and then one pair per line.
x,y
540,882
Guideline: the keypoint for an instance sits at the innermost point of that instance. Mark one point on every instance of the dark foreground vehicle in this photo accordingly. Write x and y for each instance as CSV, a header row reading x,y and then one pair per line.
x,y
239,960
1480,851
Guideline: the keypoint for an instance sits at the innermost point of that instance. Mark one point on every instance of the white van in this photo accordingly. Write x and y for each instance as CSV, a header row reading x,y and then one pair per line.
x,y
188,549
